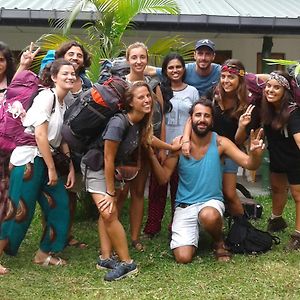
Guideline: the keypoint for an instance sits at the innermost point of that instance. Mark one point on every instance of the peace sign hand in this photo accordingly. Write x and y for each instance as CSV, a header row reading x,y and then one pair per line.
x,y
257,145
245,118
28,56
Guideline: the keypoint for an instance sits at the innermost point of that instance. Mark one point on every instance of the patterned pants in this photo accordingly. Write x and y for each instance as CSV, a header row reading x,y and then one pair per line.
x,y
28,184
4,180
157,202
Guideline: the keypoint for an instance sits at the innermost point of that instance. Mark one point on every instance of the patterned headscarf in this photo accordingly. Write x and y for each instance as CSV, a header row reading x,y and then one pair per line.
x,y
280,79
233,70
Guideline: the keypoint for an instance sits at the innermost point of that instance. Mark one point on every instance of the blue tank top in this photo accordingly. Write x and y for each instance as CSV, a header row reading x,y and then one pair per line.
x,y
200,180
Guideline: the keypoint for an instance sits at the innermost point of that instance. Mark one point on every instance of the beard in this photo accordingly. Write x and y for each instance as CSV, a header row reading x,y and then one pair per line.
x,y
201,132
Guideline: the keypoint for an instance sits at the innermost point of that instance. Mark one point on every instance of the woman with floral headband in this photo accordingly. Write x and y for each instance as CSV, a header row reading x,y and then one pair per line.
x,y
232,119
281,120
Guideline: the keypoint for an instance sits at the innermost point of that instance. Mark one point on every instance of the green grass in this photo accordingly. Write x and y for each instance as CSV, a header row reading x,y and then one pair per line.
x,y
274,275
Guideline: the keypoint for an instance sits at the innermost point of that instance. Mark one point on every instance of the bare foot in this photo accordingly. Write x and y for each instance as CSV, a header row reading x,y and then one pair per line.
x,y
3,270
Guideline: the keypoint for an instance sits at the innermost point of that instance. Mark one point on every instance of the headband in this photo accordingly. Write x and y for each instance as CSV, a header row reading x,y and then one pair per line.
x,y
233,70
280,79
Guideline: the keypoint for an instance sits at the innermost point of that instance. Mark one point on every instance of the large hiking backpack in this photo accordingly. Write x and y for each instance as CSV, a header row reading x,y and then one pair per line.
x,y
19,96
87,117
115,67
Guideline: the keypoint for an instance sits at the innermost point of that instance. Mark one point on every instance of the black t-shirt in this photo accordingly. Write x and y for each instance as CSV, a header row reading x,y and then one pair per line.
x,y
121,130
226,125
282,147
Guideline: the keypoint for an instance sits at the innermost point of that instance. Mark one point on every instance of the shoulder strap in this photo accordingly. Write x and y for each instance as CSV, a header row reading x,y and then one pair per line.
x,y
123,116
54,102
153,83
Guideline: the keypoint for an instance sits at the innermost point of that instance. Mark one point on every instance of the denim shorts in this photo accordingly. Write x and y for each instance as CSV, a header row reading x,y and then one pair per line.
x,y
230,166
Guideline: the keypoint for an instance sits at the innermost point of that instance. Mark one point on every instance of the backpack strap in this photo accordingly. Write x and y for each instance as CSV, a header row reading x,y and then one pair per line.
x,y
54,102
153,83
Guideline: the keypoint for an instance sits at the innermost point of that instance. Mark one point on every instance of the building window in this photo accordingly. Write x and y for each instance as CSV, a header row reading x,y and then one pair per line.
x,y
222,55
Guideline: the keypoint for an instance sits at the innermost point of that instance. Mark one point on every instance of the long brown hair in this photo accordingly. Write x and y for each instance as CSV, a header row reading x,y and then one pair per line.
x,y
277,119
146,122
241,93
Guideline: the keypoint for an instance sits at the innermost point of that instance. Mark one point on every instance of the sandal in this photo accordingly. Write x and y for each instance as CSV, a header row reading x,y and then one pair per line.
x,y
3,270
50,261
72,242
222,254
138,246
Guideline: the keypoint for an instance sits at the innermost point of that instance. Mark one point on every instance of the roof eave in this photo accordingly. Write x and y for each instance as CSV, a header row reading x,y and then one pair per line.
x,y
181,22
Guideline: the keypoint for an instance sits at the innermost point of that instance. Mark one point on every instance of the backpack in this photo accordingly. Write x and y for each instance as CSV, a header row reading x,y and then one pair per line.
x,y
255,88
252,209
18,98
116,67
120,67
244,238
87,117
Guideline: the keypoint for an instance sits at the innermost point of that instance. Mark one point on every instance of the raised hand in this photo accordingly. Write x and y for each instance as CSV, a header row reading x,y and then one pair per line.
x,y
28,56
245,118
257,145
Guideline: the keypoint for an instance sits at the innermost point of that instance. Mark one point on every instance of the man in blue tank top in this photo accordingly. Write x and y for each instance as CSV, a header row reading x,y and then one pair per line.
x,y
199,199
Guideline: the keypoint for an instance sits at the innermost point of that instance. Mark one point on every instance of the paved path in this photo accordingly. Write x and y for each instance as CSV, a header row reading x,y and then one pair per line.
x,y
255,188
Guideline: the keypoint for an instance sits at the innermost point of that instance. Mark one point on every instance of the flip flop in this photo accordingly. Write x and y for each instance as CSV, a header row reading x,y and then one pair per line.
x,y
138,246
222,255
77,244
50,261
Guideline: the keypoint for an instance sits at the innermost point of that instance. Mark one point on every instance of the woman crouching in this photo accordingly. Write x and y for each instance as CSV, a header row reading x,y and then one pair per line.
x,y
123,137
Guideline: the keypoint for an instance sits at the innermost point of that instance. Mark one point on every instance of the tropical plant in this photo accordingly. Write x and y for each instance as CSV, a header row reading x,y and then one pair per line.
x,y
104,36
293,67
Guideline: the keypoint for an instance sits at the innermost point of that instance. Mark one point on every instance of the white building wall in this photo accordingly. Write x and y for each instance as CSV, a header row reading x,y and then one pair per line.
x,y
243,46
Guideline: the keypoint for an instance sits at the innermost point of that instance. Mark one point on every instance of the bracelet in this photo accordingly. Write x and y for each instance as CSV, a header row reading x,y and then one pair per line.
x,y
185,142
111,195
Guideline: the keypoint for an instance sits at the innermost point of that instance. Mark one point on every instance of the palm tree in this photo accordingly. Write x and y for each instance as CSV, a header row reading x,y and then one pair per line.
x,y
104,35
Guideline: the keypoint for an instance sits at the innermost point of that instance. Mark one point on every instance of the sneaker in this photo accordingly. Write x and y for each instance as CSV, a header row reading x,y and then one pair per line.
x,y
108,263
122,270
276,224
294,242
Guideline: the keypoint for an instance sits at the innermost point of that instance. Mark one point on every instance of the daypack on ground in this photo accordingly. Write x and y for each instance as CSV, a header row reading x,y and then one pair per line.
x,y
244,238
87,117
19,96
252,209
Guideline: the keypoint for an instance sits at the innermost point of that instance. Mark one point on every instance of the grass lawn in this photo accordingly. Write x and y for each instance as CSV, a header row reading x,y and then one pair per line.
x,y
274,275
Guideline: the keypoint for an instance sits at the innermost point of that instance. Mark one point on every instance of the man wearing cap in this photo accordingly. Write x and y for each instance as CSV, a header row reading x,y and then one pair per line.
x,y
203,74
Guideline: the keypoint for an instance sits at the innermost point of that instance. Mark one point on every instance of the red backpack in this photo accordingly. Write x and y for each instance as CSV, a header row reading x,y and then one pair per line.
x,y
18,98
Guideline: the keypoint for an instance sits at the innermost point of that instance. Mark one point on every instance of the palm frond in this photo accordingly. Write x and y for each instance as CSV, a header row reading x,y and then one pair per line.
x,y
282,62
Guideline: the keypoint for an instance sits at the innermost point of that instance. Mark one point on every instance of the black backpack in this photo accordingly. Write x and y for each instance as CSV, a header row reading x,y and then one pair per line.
x,y
244,238
88,116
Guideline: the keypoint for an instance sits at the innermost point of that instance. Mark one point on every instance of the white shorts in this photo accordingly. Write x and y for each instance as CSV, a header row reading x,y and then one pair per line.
x,y
94,180
185,226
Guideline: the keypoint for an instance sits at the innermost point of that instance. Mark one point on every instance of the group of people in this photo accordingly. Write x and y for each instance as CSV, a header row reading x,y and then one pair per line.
x,y
186,131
